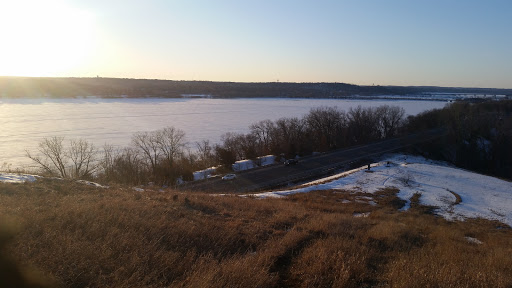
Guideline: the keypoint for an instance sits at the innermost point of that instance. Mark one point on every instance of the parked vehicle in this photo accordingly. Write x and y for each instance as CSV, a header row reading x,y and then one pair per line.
x,y
229,177
291,162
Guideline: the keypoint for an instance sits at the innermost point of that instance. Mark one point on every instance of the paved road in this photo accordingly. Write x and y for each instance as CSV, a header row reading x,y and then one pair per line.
x,y
309,167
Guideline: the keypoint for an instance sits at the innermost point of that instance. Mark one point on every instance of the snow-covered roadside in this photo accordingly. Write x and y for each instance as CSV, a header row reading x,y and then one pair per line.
x,y
439,184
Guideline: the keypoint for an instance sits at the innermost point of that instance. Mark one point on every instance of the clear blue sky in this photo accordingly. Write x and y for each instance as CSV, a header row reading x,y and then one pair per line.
x,y
445,43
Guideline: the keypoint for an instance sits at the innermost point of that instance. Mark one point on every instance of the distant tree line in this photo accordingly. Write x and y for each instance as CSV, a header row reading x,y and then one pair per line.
x,y
25,87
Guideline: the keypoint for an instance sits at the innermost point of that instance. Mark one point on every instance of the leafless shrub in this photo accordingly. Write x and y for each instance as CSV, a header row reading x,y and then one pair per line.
x,y
76,161
128,167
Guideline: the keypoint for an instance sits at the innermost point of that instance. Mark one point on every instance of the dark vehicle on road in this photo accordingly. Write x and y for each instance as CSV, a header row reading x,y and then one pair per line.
x,y
291,162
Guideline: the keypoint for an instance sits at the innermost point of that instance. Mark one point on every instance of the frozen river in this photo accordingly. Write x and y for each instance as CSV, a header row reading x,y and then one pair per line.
x,y
25,122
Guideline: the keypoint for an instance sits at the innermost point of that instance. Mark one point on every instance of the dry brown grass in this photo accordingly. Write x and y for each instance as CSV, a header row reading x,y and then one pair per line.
x,y
117,237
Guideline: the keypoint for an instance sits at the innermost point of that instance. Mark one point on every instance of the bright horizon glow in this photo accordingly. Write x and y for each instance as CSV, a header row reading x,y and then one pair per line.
x,y
397,42
44,38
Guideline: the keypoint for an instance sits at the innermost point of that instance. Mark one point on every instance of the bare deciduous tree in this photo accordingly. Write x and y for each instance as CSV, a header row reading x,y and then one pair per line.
x,y
161,145
82,155
325,124
390,118
262,132
52,156
127,166
107,161
363,124
78,161
171,142
205,153
147,144
290,134
231,142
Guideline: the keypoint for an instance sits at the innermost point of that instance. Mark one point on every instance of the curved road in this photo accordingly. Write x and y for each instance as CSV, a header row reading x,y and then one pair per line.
x,y
309,167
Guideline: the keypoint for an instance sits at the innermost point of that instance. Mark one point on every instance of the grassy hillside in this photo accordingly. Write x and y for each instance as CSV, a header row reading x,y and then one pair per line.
x,y
83,236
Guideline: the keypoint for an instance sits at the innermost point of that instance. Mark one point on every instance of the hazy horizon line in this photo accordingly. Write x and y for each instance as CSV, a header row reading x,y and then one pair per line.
x,y
229,81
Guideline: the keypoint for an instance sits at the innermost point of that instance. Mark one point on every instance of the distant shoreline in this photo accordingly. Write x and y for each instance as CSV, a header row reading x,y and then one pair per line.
x,y
414,97
28,87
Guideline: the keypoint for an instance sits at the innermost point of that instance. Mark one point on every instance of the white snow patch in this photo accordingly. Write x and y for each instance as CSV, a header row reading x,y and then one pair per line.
x,y
89,183
473,240
482,196
17,178
21,178
333,177
364,198
138,189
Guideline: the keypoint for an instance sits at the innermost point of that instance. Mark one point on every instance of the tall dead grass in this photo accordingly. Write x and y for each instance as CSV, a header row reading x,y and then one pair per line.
x,y
89,237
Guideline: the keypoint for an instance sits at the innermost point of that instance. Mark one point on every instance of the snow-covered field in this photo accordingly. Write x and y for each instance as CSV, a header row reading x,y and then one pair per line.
x,y
456,193
25,122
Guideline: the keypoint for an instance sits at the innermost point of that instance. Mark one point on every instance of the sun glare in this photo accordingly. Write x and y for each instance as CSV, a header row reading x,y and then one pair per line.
x,y
43,38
